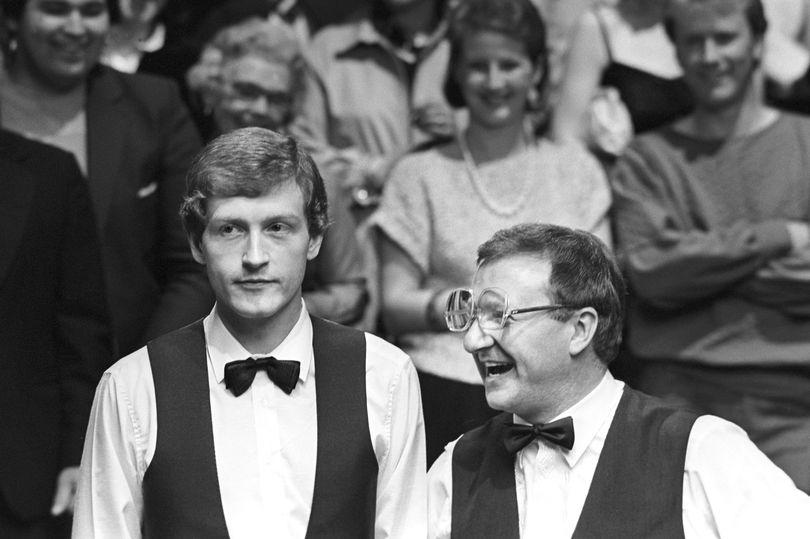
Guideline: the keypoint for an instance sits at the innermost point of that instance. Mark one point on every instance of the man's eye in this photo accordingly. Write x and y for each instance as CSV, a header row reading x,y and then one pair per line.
x,y
228,230
278,228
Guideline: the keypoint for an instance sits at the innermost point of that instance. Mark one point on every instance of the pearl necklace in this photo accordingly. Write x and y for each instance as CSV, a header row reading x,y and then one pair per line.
x,y
478,184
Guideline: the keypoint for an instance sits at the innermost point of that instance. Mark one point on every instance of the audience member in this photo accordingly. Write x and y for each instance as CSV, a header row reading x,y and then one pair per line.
x,y
252,75
376,92
329,443
138,32
712,216
55,339
133,139
439,204
576,452
622,46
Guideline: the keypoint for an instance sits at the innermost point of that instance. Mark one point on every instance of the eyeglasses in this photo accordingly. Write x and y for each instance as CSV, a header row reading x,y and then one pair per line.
x,y
491,309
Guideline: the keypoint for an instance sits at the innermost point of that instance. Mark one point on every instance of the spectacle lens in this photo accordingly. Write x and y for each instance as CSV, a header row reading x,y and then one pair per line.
x,y
458,311
491,309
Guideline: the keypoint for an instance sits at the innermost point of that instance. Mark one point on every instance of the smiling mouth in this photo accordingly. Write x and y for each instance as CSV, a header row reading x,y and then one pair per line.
x,y
497,369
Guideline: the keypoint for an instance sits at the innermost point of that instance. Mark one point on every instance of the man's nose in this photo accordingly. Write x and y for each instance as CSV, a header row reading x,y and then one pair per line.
x,y
709,52
255,254
476,339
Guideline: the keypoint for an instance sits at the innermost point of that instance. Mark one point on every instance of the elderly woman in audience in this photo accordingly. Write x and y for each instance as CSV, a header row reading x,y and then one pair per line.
x,y
252,74
441,203
133,139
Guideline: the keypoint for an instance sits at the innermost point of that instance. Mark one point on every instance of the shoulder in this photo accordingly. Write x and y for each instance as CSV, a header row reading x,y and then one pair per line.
x,y
144,87
20,148
384,356
333,39
129,380
430,162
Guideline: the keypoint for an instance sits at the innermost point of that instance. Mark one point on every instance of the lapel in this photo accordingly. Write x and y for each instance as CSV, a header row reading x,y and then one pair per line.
x,y
18,184
106,134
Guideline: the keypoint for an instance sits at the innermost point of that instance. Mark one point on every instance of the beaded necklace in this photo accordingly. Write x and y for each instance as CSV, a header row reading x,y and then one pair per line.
x,y
498,208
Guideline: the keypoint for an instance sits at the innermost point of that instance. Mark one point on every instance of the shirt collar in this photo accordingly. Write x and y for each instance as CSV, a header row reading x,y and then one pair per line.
x,y
590,414
223,347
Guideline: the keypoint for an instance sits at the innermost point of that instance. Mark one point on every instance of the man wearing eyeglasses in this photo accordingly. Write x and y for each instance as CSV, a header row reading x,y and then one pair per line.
x,y
576,452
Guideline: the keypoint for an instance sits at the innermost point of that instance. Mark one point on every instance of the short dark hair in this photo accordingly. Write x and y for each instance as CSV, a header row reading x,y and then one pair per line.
x,y
251,162
518,19
583,274
13,9
753,10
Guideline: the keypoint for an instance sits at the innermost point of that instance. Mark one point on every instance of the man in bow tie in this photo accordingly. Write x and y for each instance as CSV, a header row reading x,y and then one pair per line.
x,y
576,453
259,420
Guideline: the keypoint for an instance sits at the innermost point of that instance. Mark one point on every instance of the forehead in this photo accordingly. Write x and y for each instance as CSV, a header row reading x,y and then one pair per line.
x,y
283,199
488,44
259,71
692,18
522,277
70,3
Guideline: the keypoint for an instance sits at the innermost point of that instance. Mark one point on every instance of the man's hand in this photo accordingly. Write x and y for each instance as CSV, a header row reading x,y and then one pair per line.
x,y
65,493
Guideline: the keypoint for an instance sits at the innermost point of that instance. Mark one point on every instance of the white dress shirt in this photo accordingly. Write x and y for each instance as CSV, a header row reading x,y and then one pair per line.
x,y
730,489
265,442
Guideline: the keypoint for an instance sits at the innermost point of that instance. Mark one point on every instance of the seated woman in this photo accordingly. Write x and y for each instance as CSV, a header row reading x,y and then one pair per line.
x,y
624,47
251,74
441,203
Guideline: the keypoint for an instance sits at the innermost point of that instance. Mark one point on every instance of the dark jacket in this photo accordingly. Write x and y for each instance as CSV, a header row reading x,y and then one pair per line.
x,y
54,327
140,144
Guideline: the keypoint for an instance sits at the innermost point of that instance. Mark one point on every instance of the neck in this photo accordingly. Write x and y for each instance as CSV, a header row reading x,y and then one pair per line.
x,y
576,386
487,144
32,83
261,336
419,18
746,116
642,13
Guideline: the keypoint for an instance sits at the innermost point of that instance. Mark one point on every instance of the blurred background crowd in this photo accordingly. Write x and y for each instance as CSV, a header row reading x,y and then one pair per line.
x,y
434,123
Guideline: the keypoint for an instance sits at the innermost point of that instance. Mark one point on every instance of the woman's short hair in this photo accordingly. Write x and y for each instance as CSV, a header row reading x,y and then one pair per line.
x,y
251,162
583,273
518,19
270,39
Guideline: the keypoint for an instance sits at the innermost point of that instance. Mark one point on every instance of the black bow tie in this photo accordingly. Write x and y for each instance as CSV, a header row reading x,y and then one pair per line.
x,y
240,374
560,432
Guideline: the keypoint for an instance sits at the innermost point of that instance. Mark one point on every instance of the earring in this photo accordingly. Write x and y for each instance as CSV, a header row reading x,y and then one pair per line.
x,y
533,99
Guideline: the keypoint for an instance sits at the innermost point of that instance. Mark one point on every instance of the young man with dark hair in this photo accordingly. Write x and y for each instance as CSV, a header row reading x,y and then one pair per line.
x,y
188,438
576,453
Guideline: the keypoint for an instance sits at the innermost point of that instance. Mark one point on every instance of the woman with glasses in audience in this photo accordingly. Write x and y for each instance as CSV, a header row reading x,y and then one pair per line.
x,y
439,204
251,75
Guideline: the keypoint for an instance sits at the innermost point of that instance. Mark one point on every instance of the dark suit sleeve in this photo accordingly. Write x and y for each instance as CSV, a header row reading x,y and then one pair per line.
x,y
186,295
83,336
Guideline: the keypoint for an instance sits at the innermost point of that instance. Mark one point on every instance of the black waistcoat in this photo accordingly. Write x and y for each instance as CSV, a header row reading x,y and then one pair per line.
x,y
180,487
637,488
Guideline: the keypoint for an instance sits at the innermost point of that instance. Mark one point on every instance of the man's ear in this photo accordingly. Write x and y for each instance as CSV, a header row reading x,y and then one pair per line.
x,y
196,250
314,246
585,322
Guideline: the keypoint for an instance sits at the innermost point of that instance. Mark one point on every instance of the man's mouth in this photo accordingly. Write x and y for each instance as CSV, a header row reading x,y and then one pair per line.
x,y
250,283
497,369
